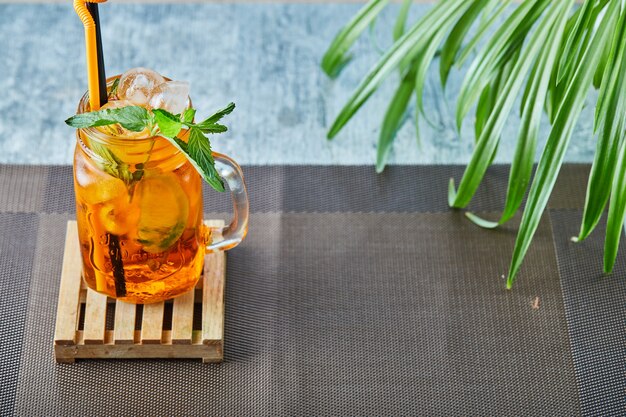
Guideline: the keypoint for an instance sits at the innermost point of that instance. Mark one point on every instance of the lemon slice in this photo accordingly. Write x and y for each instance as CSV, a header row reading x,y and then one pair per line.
x,y
103,191
118,216
163,212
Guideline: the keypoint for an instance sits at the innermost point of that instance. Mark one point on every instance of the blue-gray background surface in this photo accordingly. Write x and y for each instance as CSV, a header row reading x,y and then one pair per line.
x,y
262,56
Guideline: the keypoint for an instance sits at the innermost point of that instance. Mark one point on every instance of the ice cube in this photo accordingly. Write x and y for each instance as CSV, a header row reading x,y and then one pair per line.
x,y
136,85
118,130
172,96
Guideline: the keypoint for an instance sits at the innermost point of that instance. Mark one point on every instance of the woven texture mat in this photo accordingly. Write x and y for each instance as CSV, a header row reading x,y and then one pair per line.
x,y
354,294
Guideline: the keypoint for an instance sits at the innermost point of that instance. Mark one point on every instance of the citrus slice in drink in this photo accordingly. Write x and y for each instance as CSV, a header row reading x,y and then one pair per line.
x,y
118,216
163,211
103,190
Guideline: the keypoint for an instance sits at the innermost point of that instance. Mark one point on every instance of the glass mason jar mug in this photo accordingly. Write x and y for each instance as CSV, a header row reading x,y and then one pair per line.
x,y
140,216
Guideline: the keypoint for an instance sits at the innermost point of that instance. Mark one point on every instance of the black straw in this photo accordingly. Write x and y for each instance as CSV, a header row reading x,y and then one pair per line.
x,y
102,79
115,251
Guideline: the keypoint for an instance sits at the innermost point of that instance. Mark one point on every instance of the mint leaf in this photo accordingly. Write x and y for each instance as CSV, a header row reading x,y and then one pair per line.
x,y
218,116
212,128
112,165
199,149
188,115
113,90
133,118
169,124
199,154
181,144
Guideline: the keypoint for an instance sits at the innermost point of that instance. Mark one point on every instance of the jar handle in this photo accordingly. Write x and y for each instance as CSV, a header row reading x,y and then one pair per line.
x,y
225,238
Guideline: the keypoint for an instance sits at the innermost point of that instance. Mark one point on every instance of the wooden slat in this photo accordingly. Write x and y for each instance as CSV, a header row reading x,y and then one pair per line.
x,y
95,317
213,298
83,296
208,353
69,290
182,318
151,341
124,322
152,323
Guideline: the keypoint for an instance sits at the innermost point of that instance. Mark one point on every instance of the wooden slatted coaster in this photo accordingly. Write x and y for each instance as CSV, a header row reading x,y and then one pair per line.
x,y
90,325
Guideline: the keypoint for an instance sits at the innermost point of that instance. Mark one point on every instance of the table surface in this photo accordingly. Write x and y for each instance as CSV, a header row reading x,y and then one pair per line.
x,y
264,56
354,294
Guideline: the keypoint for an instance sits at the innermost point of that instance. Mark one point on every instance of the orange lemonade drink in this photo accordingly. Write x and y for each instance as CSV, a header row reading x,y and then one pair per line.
x,y
139,194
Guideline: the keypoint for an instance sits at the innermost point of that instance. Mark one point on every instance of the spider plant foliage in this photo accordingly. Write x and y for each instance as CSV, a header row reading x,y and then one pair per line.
x,y
549,53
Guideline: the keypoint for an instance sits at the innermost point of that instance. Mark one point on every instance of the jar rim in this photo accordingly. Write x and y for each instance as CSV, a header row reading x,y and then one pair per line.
x,y
104,138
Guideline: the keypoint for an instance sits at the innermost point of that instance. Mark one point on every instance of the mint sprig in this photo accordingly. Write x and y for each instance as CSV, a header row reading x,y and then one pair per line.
x,y
113,90
161,122
133,118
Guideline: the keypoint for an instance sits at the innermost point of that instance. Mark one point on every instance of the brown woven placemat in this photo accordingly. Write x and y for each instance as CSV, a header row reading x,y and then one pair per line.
x,y
354,294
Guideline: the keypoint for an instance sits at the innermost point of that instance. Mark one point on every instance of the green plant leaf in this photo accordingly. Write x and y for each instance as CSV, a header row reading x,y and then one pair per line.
x,y
508,38
133,118
336,56
453,43
428,53
554,55
373,39
169,124
617,211
113,165
581,21
522,164
451,192
478,221
611,106
217,116
486,22
199,154
113,89
490,94
424,62
562,75
483,109
404,50
399,27
597,78
394,116
491,134
554,151
188,115
608,82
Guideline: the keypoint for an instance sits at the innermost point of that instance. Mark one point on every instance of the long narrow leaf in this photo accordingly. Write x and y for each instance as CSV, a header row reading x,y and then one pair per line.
x,y
406,48
617,211
583,17
486,103
560,81
484,108
552,157
611,106
452,45
393,117
522,164
482,30
336,57
403,14
427,55
508,38
489,139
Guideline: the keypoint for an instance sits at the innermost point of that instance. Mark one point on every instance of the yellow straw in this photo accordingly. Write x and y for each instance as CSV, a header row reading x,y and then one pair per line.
x,y
90,46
